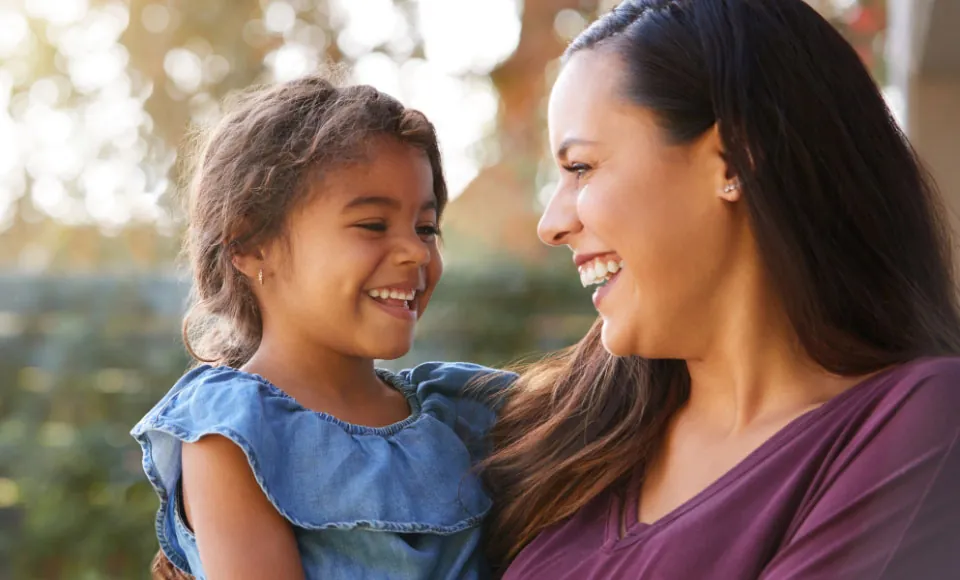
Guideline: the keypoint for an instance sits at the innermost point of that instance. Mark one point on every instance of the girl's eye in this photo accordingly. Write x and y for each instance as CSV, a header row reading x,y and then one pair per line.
x,y
578,169
428,231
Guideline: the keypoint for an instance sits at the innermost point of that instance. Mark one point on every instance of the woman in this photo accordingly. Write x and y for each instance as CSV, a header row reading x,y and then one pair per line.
x,y
770,391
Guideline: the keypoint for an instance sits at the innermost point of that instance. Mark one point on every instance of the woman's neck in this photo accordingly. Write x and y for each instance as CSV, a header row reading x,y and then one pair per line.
x,y
753,367
752,382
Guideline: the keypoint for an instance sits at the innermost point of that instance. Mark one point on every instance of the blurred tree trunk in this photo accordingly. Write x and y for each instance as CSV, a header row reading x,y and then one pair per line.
x,y
498,209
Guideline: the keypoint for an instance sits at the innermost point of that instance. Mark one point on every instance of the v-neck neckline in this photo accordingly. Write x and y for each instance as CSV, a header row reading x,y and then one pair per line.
x,y
623,525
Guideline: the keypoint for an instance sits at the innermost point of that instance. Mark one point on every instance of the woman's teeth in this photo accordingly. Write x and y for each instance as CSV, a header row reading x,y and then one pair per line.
x,y
599,270
392,293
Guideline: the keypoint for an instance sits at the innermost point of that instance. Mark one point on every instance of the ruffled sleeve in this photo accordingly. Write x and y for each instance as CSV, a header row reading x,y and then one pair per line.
x,y
206,401
464,396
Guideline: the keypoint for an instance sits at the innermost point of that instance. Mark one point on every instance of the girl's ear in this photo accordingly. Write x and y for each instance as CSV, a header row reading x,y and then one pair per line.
x,y
249,263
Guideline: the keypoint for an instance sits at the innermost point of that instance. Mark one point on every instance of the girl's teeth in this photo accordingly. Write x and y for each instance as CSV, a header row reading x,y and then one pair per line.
x,y
613,267
384,293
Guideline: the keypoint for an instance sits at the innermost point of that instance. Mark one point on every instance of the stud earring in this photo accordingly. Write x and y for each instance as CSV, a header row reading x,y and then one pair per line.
x,y
260,276
731,186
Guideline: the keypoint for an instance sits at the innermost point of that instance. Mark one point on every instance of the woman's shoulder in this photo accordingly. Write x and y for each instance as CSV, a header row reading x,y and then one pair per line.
x,y
899,414
924,392
893,459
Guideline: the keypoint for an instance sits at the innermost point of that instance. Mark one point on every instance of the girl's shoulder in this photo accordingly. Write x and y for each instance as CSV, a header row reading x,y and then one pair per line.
x,y
211,398
318,472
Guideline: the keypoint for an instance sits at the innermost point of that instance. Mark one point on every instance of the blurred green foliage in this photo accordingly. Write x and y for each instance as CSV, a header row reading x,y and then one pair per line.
x,y
81,358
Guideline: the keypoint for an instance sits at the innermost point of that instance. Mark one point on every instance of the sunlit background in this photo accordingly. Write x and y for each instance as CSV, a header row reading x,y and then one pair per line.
x,y
98,102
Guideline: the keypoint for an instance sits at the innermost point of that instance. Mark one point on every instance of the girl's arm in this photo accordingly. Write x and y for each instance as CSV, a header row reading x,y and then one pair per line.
x,y
239,533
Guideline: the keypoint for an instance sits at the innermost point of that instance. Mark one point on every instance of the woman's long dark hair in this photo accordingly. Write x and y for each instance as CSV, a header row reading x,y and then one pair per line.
x,y
849,228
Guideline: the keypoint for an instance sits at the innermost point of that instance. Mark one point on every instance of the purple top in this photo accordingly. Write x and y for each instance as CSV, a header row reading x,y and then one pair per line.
x,y
864,486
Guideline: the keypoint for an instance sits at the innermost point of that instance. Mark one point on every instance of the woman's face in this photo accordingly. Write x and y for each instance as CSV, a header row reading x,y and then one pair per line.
x,y
654,213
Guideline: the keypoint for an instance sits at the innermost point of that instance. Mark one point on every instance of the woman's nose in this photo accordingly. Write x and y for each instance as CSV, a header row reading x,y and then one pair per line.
x,y
560,219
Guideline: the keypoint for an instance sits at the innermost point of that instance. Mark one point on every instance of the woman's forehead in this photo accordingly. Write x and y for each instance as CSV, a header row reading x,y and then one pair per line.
x,y
587,103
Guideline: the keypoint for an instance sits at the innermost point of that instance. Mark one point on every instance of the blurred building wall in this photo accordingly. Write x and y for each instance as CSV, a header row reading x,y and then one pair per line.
x,y
923,52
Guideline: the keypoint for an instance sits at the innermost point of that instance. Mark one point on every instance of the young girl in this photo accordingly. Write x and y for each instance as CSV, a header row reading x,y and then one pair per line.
x,y
312,237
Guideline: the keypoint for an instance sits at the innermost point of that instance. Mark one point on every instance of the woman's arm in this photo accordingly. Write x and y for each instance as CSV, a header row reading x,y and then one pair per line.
x,y
239,533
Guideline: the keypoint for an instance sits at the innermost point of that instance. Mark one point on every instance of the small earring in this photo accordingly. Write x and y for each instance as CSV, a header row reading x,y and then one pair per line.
x,y
260,276
731,186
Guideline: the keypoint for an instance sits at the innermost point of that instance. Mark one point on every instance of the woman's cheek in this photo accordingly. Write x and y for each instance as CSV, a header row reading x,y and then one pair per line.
x,y
602,211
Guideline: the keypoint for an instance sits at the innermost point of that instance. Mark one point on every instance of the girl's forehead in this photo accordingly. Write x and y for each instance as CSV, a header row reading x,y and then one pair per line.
x,y
387,181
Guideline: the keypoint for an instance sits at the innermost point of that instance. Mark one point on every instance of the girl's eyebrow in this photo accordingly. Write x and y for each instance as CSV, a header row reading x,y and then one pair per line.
x,y
383,201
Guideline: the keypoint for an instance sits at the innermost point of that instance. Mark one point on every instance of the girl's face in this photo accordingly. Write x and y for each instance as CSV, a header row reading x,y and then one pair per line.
x,y
361,259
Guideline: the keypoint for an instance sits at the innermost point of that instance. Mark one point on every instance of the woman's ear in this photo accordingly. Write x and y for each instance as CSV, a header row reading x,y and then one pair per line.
x,y
727,183
730,190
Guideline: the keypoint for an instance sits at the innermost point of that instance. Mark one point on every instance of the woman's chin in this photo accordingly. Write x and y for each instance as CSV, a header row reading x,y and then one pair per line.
x,y
615,342
623,340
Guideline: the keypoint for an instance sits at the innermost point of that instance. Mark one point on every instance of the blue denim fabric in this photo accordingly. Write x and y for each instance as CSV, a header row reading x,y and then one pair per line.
x,y
397,502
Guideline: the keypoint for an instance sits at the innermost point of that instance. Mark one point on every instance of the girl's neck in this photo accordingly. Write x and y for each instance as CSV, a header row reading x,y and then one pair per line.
x,y
318,375
325,381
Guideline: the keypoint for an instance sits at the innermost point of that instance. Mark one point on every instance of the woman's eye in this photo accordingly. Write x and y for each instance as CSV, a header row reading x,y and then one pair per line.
x,y
429,231
578,169
374,227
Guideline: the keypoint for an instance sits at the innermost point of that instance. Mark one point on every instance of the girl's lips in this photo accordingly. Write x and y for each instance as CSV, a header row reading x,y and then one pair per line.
x,y
397,308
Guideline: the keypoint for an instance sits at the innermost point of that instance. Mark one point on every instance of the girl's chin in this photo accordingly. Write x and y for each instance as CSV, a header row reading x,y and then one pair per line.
x,y
392,349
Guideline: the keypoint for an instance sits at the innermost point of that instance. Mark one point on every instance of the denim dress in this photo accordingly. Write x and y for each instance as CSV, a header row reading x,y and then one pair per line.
x,y
396,502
